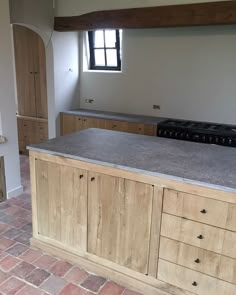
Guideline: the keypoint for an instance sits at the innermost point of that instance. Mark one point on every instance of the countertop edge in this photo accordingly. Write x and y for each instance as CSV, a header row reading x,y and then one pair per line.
x,y
135,118
136,170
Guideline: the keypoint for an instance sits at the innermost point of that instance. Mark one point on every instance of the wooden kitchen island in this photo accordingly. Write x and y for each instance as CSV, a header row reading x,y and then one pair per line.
x,y
153,214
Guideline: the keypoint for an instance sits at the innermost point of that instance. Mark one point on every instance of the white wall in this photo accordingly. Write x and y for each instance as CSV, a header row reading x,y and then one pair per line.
x,y
189,72
7,104
77,7
66,72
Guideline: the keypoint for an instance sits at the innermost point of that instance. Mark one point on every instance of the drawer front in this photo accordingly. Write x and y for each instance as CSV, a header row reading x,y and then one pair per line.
x,y
204,261
193,281
197,208
193,233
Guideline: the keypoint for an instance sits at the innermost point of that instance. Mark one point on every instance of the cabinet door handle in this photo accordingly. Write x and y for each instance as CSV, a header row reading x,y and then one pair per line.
x,y
197,260
81,176
92,178
200,237
194,284
203,211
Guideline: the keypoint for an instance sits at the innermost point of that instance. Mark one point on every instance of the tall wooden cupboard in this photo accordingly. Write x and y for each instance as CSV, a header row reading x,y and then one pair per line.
x,y
30,63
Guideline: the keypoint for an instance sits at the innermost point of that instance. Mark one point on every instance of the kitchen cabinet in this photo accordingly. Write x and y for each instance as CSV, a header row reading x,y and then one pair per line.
x,y
148,231
30,62
121,212
62,205
31,131
73,123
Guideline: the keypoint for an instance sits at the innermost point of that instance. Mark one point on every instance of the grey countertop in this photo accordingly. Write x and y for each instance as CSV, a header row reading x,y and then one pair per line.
x,y
115,116
208,165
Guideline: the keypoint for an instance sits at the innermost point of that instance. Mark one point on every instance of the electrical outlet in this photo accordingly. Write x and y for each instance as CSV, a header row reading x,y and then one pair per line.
x,y
87,100
156,107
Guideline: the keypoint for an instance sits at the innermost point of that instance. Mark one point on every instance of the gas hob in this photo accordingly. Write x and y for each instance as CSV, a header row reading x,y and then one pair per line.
x,y
204,132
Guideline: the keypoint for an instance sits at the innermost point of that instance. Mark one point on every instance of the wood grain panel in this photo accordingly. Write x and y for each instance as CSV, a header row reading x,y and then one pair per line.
x,y
68,124
196,208
30,61
193,281
104,201
42,196
212,13
155,231
119,220
62,203
197,259
190,232
136,213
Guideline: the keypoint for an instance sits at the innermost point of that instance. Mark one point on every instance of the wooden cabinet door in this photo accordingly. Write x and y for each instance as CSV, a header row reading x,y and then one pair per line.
x,y
119,220
140,128
68,124
62,203
30,61
24,62
40,78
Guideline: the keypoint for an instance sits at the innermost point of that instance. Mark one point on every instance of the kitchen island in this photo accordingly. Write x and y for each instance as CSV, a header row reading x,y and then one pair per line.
x,y
154,214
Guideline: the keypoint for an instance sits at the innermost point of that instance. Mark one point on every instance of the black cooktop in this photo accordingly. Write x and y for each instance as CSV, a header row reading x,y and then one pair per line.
x,y
204,132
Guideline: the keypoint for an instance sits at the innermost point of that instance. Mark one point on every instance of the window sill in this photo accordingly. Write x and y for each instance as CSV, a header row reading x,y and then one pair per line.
x,y
102,71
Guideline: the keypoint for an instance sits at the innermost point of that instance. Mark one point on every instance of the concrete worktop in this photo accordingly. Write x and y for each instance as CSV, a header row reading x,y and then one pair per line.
x,y
116,116
212,166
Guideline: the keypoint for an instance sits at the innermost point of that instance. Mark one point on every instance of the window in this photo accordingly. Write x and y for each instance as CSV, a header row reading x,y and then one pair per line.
x,y
104,47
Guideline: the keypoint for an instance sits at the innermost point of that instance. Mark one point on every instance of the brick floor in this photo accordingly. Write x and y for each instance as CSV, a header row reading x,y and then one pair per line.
x,y
27,271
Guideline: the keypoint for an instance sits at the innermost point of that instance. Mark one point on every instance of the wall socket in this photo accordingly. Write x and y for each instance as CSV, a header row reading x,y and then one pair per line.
x,y
156,107
88,100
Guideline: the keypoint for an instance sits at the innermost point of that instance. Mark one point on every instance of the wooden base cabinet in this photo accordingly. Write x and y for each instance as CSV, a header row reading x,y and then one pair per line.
x,y
31,131
73,123
135,229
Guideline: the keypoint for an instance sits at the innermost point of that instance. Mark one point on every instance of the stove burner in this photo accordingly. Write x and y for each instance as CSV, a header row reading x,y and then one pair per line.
x,y
204,132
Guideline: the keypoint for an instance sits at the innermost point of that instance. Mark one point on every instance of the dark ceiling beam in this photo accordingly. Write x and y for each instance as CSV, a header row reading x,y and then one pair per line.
x,y
200,14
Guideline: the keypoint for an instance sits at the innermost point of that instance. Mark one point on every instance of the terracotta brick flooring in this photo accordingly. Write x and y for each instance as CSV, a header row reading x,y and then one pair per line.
x,y
27,271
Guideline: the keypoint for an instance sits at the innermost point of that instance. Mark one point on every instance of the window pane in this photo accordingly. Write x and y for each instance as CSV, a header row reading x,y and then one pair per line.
x,y
99,57
99,39
111,57
110,36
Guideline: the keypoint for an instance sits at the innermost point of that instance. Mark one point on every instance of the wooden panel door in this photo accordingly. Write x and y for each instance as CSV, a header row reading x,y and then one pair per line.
x,y
139,128
119,220
30,60
68,124
62,203
24,61
40,78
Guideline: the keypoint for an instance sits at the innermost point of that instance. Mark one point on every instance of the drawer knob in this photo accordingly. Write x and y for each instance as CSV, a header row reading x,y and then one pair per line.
x,y
92,178
203,211
194,284
81,176
197,260
200,237
114,126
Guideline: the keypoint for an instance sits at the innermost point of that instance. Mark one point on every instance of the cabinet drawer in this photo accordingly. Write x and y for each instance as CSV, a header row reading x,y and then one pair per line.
x,y
199,235
193,281
204,261
198,208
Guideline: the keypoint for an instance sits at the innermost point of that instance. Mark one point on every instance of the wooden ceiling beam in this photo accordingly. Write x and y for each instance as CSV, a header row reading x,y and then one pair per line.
x,y
200,14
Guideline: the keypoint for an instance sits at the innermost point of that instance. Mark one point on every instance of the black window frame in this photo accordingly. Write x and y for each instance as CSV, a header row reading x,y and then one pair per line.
x,y
92,48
